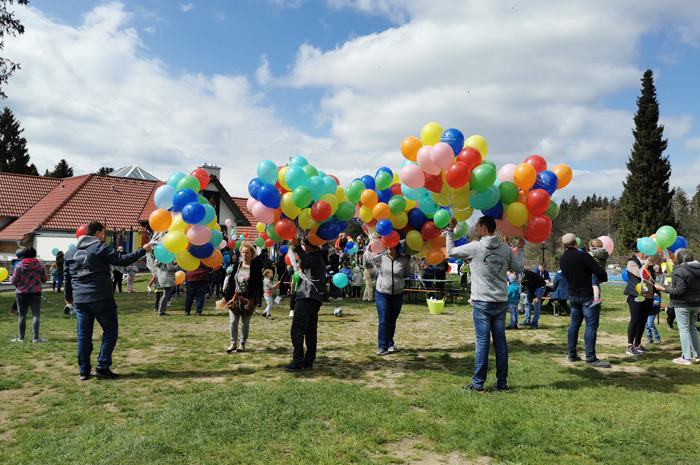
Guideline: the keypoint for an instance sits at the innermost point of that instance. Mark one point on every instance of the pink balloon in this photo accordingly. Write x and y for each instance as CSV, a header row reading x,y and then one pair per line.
x,y
508,230
199,234
228,223
412,176
249,204
506,173
376,246
223,244
425,161
608,244
442,155
263,213
357,210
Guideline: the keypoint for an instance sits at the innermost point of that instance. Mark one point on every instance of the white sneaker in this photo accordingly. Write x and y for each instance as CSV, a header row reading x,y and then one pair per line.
x,y
291,313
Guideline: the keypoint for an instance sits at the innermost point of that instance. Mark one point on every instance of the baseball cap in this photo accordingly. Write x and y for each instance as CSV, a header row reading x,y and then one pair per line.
x,y
568,239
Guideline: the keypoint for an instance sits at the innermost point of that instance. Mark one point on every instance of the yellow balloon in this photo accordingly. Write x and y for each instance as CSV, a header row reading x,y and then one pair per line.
x,y
332,200
478,143
399,221
260,227
431,133
427,247
517,214
396,180
178,224
442,198
175,241
340,194
460,198
638,288
414,240
3,273
280,178
214,223
366,214
409,204
289,209
305,220
463,215
186,261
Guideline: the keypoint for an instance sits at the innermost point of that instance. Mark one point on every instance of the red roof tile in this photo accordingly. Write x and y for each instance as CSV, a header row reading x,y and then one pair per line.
x,y
20,192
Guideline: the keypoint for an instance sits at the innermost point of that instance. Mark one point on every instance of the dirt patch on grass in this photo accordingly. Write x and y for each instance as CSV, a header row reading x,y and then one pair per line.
x,y
415,450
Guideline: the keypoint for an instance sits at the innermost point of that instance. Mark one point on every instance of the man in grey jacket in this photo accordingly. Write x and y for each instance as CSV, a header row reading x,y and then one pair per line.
x,y
489,259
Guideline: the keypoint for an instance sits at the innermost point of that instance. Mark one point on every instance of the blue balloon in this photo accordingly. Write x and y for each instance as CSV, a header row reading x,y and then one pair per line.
x,y
269,196
284,249
163,197
254,187
298,161
546,180
183,197
495,212
461,241
368,181
330,185
416,218
193,213
267,172
385,195
454,138
624,275
384,169
331,229
201,251
384,227
680,243
340,280
317,187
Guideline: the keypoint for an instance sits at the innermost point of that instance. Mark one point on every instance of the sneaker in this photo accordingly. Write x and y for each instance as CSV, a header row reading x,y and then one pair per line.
x,y
696,359
682,361
169,303
39,340
291,313
290,367
382,352
473,388
598,363
17,339
575,359
85,376
164,314
641,349
657,341
231,349
241,348
105,374
393,349
670,327
631,350
497,388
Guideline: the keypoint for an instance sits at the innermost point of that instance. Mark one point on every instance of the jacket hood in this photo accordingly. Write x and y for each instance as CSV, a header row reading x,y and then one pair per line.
x,y
491,242
85,241
693,267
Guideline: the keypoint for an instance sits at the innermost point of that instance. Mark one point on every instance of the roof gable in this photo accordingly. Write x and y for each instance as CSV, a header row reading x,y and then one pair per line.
x,y
23,192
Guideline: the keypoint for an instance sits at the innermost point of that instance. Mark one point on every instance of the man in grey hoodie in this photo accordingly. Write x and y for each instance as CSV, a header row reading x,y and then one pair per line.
x,y
489,259
89,289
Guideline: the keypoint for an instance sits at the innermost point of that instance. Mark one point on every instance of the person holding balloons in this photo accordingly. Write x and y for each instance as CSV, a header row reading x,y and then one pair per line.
x,y
165,276
489,259
393,268
640,299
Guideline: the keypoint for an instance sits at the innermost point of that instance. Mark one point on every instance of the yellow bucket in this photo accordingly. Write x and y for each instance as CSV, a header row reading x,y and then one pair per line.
x,y
435,306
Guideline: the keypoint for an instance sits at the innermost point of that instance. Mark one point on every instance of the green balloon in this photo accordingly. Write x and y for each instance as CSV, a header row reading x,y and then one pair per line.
x,y
354,191
259,242
489,162
383,181
310,171
441,218
461,229
345,211
188,182
509,192
484,199
397,203
302,196
271,233
428,206
666,236
482,177
203,200
552,211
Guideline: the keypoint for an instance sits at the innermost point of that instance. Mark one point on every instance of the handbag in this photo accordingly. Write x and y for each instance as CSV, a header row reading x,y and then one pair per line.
x,y
241,306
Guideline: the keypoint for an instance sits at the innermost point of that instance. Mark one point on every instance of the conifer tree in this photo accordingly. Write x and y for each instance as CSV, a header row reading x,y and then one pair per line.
x,y
14,156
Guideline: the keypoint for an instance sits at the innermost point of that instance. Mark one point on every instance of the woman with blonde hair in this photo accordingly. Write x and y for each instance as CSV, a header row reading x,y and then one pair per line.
x,y
245,283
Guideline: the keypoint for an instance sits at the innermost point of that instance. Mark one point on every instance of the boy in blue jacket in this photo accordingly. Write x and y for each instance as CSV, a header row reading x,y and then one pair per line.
x,y
513,300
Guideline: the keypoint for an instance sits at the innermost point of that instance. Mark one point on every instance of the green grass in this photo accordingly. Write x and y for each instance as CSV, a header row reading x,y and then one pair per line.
x,y
183,400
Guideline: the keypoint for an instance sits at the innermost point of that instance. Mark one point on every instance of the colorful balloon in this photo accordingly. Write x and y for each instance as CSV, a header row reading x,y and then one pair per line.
x,y
412,175
425,161
430,134
537,162
537,201
666,236
454,138
482,177
410,147
564,175
160,220
524,176
442,155
478,143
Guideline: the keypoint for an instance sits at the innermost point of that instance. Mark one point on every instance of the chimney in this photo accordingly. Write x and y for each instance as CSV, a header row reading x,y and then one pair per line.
x,y
212,169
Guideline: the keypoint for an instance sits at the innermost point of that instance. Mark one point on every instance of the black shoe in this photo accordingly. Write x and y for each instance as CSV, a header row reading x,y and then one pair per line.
x,y
164,314
473,388
575,359
509,327
598,363
85,376
187,313
308,367
105,374
292,368
500,389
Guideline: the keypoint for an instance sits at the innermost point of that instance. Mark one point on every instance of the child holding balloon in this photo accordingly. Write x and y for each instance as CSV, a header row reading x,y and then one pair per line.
x,y
267,292
600,255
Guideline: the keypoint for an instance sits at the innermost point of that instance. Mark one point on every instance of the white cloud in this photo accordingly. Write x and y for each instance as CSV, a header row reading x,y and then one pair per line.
x,y
186,7
263,74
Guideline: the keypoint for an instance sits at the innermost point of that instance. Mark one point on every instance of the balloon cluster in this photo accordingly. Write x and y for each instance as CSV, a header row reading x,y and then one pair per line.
x,y
297,196
665,238
188,224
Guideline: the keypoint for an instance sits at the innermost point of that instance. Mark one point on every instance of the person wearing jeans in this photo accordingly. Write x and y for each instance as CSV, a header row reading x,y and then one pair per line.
x,y
534,284
489,259
578,268
27,278
197,285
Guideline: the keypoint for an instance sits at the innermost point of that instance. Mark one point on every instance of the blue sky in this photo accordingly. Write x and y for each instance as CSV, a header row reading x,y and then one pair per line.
x,y
169,85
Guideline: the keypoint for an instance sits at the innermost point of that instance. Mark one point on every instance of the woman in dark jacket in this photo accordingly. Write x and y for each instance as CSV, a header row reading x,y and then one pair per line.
x,y
246,280
641,303
685,297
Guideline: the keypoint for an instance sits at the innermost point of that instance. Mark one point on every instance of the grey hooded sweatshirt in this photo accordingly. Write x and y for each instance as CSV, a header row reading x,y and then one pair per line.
x,y
489,259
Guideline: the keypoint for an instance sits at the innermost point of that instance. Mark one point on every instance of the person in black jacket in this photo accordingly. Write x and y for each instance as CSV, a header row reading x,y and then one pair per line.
x,y
309,298
535,284
245,280
639,272
578,268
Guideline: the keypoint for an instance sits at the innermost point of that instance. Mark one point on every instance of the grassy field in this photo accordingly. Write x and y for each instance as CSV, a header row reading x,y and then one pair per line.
x,y
183,400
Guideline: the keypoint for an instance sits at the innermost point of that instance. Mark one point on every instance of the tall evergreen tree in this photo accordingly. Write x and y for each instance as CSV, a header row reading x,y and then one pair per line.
x,y
61,170
9,25
645,204
14,156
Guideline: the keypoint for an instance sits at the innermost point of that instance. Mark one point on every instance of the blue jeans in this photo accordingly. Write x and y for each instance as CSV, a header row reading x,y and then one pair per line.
x,y
513,309
688,331
652,332
105,311
490,318
583,308
25,302
195,291
388,309
539,292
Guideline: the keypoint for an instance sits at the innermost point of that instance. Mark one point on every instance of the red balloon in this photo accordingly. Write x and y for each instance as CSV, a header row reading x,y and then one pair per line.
x,y
537,201
429,231
231,243
322,210
538,229
333,176
286,229
80,231
391,239
245,235
457,174
269,242
396,189
287,259
470,156
507,229
202,176
433,182
538,162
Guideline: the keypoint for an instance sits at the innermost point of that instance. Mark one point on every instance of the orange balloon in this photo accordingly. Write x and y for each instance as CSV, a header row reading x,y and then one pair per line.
x,y
160,220
315,240
564,175
410,147
369,198
434,257
381,211
179,277
214,260
438,242
525,176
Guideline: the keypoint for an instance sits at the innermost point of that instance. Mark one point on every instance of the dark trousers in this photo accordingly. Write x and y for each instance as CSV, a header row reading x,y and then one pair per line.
x,y
304,327
117,277
195,292
639,312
